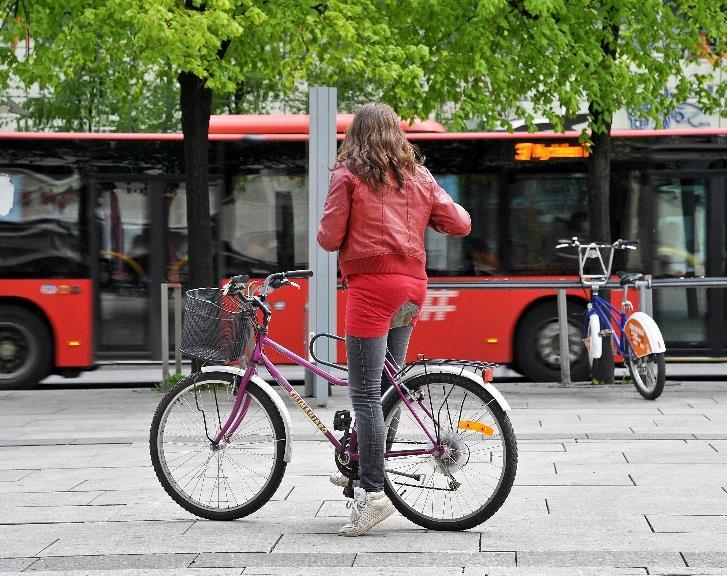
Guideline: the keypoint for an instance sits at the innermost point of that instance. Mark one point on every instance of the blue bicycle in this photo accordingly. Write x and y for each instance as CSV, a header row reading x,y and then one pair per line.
x,y
635,335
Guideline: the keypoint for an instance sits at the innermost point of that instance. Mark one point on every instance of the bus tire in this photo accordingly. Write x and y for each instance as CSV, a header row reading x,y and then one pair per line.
x,y
537,343
26,348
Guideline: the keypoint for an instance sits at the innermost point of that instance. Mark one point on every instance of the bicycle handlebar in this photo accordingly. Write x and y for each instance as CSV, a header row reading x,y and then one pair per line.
x,y
236,287
617,245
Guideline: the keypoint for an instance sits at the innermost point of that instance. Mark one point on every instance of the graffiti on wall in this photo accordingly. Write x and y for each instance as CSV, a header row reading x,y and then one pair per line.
x,y
685,115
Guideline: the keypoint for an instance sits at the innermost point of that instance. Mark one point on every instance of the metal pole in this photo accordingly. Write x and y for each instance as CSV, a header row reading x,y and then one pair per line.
x,y
645,296
177,328
649,296
564,344
322,287
165,333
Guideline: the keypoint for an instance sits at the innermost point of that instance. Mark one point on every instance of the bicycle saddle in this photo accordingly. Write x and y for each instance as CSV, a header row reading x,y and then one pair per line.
x,y
628,278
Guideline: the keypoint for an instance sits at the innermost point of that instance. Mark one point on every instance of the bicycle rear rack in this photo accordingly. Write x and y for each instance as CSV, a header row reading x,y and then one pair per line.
x,y
487,368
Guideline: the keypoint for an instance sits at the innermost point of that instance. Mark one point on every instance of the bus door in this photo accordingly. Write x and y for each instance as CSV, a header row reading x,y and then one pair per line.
x,y
686,224
141,238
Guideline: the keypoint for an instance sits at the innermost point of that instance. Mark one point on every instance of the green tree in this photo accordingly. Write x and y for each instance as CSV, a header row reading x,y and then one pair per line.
x,y
244,50
495,60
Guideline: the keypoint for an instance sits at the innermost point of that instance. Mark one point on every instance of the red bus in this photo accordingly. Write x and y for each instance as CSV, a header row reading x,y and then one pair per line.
x,y
98,222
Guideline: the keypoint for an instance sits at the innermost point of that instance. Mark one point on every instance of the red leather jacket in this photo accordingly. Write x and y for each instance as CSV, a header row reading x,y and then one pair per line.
x,y
382,231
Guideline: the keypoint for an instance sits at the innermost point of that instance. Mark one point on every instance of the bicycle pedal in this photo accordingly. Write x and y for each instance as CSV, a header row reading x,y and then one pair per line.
x,y
342,420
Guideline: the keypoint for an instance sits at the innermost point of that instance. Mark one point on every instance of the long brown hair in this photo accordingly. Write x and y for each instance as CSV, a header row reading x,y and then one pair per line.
x,y
375,144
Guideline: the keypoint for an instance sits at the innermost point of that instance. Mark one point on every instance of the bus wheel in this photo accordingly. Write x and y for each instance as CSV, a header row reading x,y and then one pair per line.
x,y
25,348
537,343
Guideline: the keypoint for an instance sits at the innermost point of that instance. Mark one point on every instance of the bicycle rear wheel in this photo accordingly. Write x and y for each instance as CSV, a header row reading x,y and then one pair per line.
x,y
225,481
469,480
648,373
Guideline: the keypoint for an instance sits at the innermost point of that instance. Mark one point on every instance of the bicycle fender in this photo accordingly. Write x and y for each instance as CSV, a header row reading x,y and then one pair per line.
x,y
644,335
594,338
494,392
277,400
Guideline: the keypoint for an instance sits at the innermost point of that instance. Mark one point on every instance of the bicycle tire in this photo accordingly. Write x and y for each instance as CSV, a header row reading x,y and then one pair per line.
x,y
261,407
641,369
396,484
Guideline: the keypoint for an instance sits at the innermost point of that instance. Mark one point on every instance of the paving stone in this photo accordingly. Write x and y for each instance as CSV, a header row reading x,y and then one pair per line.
x,y
668,475
113,562
153,538
15,564
357,571
443,559
641,436
56,514
28,540
15,475
689,523
682,570
559,571
525,446
380,540
620,559
29,499
281,559
136,572
707,559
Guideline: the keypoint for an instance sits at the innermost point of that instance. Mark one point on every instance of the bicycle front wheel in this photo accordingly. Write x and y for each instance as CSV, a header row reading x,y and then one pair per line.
x,y
469,478
648,373
221,481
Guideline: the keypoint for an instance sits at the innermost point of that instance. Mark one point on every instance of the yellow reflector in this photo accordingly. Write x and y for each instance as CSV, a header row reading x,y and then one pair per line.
x,y
74,343
492,340
476,426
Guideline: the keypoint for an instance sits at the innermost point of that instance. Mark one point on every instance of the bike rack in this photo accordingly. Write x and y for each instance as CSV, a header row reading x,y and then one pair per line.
x,y
644,286
165,287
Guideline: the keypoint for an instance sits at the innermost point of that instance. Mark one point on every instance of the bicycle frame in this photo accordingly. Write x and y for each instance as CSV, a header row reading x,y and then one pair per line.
x,y
242,400
609,316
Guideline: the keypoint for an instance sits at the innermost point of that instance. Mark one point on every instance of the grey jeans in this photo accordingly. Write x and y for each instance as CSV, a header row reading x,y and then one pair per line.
x,y
365,366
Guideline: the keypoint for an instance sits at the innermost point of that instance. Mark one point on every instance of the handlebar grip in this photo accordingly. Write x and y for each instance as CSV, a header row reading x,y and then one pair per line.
x,y
239,279
299,274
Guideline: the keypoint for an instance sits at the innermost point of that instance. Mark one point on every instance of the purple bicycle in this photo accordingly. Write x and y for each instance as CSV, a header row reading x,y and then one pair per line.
x,y
221,439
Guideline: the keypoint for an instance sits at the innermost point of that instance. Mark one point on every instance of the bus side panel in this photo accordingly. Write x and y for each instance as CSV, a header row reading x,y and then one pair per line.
x,y
68,309
469,324
289,323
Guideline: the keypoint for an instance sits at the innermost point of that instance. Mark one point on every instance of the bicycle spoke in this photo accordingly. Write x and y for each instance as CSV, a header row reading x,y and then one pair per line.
x,y
462,479
216,477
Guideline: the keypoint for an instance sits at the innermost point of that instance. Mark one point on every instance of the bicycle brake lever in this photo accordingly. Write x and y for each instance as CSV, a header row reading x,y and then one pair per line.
x,y
294,284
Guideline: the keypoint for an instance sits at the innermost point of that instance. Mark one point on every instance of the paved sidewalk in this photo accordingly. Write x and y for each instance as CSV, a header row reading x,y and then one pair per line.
x,y
607,483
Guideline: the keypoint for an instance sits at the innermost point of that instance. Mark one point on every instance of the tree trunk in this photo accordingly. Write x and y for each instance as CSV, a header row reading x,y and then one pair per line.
x,y
195,101
599,178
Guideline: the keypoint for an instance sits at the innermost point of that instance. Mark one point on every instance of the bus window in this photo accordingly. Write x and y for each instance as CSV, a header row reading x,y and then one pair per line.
x,y
264,224
680,248
477,253
41,233
542,209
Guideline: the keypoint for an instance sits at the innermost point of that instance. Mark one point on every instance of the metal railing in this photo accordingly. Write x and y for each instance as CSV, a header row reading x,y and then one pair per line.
x,y
644,287
165,287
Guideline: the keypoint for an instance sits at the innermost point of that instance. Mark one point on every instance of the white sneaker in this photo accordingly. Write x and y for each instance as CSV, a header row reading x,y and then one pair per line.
x,y
338,479
369,509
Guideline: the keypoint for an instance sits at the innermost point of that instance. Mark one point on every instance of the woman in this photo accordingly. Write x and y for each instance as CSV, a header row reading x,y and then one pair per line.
x,y
380,202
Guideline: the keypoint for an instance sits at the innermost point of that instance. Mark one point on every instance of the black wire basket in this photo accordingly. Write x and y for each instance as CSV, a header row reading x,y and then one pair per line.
x,y
217,327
